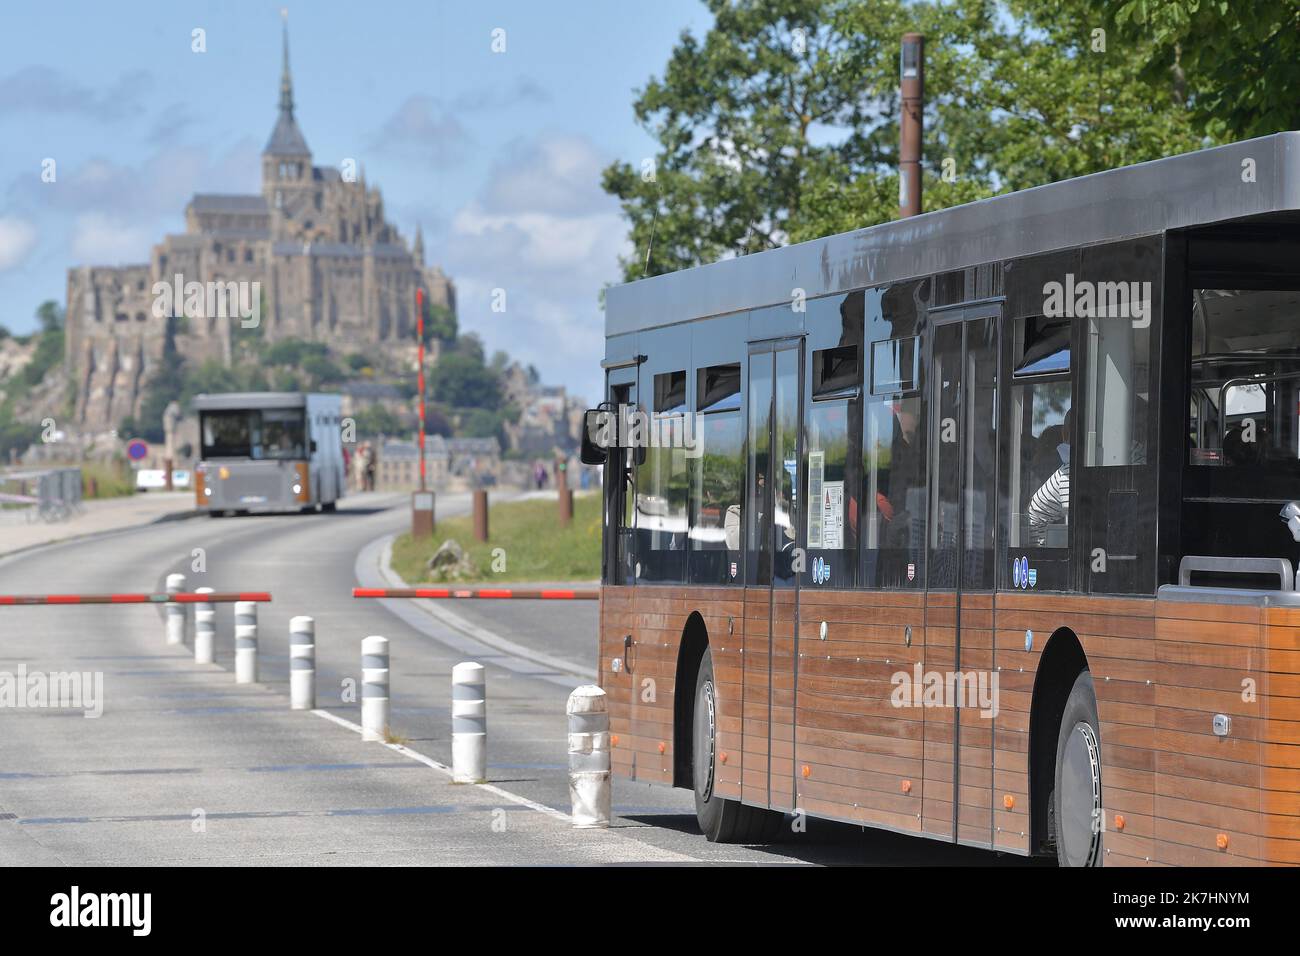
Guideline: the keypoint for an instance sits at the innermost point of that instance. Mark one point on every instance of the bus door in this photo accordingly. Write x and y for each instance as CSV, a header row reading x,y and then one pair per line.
x,y
772,561
620,484
960,572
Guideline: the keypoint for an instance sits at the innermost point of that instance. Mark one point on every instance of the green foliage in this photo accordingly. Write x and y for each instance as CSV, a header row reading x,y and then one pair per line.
x,y
1236,63
15,435
781,122
461,380
111,480
323,370
482,423
293,352
439,323
50,314
378,420
47,356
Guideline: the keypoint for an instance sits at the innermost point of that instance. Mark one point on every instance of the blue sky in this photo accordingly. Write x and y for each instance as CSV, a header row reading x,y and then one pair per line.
x,y
497,155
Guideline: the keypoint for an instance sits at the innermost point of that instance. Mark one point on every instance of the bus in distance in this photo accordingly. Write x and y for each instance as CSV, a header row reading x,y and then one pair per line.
x,y
268,452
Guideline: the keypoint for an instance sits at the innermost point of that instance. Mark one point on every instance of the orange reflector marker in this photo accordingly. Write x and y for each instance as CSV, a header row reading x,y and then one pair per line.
x,y
662,746
807,771
1221,841
1008,801
723,756
907,786
1119,821
613,740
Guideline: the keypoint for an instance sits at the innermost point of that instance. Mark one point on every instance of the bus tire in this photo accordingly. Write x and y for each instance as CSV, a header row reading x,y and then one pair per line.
x,y
330,506
1076,798
721,820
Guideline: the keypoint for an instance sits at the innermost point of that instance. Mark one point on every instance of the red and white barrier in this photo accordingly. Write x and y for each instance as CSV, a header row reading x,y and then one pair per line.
x,y
518,594
8,600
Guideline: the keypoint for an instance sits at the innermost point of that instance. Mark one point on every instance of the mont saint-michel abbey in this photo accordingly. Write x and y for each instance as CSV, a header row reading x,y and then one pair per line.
x,y
330,266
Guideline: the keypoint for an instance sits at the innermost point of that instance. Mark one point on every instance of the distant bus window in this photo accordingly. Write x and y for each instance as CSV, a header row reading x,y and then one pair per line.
x,y
282,434
274,433
226,435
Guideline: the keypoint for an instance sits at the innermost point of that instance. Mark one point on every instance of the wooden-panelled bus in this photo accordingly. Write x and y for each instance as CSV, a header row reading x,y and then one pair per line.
x,y
975,525
269,451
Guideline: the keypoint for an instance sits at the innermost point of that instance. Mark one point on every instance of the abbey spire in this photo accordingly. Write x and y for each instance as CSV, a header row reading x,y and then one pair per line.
x,y
286,139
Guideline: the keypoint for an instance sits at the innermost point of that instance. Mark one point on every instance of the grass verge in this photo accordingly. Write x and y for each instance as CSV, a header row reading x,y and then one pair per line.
x,y
533,545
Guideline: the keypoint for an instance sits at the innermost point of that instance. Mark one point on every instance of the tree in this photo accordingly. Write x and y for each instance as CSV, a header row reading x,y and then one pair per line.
x,y
51,316
482,423
460,380
439,322
1237,64
378,420
781,124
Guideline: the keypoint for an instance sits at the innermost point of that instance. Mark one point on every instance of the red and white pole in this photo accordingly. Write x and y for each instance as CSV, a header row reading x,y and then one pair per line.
x,y
419,326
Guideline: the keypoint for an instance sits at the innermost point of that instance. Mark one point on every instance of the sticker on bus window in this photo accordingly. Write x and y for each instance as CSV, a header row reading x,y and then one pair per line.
x,y
832,513
911,572
816,471
821,571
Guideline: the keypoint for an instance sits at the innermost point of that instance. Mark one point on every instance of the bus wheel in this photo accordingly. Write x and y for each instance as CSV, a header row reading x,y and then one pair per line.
x,y
1076,801
720,819
330,506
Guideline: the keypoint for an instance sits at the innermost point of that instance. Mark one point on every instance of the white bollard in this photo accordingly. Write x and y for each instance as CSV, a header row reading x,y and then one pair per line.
x,y
205,631
302,664
245,642
374,687
175,612
589,756
468,723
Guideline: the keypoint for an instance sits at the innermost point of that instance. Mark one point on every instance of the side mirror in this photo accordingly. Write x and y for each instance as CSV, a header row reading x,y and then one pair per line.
x,y
595,426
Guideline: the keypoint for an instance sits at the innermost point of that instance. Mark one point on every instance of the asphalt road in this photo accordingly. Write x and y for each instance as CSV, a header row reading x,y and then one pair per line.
x,y
184,766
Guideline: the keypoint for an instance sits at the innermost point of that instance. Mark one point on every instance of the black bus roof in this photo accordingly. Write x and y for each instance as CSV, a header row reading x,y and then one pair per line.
x,y
1201,188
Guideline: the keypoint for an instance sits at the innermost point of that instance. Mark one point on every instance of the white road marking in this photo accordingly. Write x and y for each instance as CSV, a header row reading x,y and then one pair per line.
x,y
444,769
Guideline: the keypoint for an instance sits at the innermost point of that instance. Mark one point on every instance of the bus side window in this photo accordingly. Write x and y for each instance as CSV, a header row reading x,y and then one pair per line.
x,y
715,459
894,468
1041,434
662,485
833,467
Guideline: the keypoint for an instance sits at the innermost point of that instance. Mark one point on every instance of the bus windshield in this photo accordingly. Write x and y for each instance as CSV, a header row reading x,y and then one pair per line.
x,y
257,434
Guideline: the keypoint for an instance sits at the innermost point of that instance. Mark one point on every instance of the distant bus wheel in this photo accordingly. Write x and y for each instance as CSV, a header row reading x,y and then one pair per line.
x,y
330,506
1076,803
721,820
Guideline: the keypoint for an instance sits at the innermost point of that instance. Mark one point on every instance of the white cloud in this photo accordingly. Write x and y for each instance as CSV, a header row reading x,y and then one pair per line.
x,y
542,229
45,89
17,237
100,240
420,129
